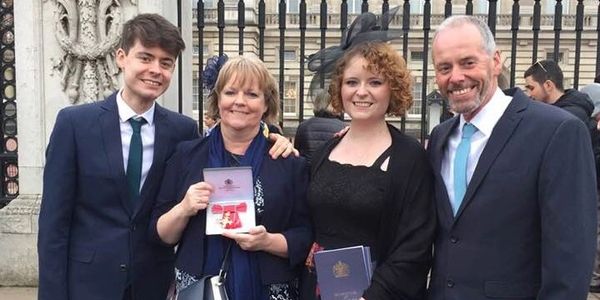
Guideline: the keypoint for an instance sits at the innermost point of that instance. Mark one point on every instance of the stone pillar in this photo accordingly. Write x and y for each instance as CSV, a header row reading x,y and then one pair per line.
x,y
40,68
168,9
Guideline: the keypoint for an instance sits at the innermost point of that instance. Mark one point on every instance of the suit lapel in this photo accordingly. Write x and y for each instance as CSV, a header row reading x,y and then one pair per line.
x,y
111,136
439,148
161,143
500,135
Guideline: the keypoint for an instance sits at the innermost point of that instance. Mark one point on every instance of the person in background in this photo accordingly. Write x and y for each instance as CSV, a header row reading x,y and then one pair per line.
x,y
515,185
544,82
314,132
264,261
209,123
593,91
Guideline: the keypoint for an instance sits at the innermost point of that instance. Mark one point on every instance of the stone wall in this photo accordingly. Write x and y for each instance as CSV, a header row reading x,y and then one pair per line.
x,y
18,235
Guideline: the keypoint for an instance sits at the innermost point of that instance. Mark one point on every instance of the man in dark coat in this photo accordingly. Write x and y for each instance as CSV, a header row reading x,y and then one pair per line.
x,y
544,82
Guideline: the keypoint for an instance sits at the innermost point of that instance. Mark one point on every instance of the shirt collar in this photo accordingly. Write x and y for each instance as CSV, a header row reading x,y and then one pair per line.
x,y
126,113
485,120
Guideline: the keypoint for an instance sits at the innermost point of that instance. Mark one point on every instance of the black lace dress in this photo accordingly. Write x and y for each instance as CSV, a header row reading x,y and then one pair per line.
x,y
347,204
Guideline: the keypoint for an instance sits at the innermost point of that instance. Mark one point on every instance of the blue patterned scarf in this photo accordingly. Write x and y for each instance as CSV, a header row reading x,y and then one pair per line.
x,y
242,282
219,157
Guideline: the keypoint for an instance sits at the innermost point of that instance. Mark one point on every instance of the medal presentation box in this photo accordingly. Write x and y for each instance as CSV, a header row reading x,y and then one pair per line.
x,y
231,206
345,273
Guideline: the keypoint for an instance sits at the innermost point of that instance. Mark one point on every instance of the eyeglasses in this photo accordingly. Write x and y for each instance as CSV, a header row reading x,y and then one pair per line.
x,y
541,66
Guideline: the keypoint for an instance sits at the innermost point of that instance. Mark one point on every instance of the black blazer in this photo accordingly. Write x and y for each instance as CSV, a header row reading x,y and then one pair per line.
x,y
284,190
527,226
91,244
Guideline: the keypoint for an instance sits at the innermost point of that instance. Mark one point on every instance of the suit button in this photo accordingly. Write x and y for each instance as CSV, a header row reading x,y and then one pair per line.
x,y
450,283
123,267
453,240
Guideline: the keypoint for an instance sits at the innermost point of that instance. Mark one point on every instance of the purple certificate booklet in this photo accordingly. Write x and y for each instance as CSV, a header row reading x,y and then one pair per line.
x,y
231,206
343,274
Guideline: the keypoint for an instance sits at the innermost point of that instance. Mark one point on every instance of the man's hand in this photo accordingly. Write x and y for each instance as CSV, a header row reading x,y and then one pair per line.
x,y
282,147
342,132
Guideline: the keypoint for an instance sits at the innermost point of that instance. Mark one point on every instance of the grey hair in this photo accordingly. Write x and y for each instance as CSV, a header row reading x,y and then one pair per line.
x,y
489,44
321,102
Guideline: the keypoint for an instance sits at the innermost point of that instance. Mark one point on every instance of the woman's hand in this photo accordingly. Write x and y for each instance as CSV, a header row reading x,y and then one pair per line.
x,y
170,226
258,239
196,198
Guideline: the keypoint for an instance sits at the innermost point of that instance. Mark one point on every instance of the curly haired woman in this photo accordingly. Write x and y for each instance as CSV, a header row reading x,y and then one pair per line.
x,y
373,185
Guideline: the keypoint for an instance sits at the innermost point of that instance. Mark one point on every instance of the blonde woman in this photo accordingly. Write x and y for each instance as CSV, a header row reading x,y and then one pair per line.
x,y
264,261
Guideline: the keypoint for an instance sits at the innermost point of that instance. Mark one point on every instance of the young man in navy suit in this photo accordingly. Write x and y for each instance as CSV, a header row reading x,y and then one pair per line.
x,y
103,172
515,184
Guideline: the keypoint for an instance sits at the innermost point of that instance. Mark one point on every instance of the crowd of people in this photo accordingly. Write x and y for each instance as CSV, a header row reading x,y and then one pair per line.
x,y
502,204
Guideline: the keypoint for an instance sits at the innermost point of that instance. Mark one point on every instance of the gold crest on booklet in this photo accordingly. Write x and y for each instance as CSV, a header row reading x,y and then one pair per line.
x,y
341,269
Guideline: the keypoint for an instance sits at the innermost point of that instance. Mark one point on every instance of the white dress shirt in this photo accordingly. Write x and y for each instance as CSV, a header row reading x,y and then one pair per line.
x,y
147,133
485,121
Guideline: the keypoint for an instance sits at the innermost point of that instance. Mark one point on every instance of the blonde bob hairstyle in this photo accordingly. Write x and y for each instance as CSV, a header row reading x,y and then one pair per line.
x,y
244,70
381,59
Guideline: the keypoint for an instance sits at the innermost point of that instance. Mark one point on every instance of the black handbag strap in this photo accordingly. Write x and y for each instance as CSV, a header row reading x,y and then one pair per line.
x,y
225,263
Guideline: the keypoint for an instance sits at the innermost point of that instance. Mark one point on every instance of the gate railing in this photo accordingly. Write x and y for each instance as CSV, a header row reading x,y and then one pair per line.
x,y
523,37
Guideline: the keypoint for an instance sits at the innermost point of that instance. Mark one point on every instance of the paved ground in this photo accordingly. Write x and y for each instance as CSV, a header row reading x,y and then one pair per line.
x,y
9,293
21,293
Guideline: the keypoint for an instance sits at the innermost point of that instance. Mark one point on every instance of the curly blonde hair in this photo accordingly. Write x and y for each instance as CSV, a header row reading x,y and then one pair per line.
x,y
246,69
384,60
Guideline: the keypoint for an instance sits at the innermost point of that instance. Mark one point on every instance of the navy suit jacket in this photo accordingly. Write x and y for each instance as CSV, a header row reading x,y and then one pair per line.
x,y
526,228
91,244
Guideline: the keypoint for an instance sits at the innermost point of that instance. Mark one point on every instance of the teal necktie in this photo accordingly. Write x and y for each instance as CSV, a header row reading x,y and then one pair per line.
x,y
460,165
134,163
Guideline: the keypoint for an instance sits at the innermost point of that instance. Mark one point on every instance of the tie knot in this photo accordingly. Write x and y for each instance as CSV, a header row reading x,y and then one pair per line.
x,y
468,130
136,124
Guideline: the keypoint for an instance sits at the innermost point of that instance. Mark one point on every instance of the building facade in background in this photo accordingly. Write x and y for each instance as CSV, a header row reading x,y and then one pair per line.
x,y
297,105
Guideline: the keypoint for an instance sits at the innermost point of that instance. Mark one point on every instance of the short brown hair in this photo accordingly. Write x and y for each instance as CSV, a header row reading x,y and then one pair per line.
x,y
247,69
152,30
382,59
